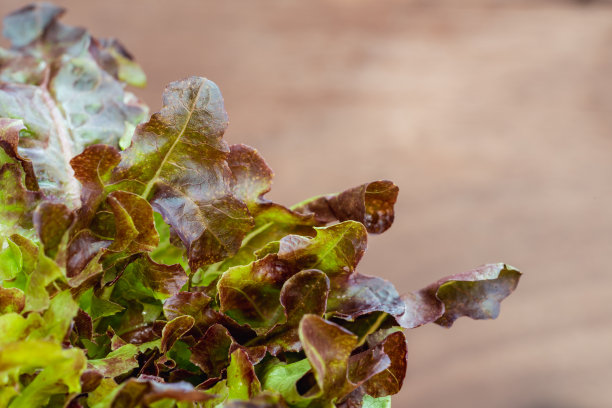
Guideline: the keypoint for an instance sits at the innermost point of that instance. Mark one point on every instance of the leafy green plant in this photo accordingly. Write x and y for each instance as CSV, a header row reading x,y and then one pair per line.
x,y
159,275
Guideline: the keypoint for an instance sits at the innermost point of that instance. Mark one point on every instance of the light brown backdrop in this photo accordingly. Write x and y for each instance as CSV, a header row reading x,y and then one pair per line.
x,y
493,117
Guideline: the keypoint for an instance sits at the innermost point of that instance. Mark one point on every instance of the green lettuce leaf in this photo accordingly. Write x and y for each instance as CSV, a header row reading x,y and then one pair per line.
x,y
38,272
371,402
121,360
282,378
58,318
335,250
11,260
61,370
251,294
242,382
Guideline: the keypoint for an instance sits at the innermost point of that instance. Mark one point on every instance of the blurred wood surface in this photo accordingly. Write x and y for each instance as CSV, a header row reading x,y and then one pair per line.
x,y
493,117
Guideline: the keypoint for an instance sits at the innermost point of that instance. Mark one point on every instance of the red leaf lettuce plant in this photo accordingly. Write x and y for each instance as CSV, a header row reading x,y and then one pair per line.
x,y
159,275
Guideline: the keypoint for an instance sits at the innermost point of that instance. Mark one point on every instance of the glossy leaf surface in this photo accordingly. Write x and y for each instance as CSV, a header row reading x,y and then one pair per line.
x,y
141,264
65,98
177,160
476,294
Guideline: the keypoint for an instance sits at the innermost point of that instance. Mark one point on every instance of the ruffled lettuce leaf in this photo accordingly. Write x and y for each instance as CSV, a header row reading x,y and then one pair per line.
x,y
177,161
476,294
146,390
54,82
142,265
371,204
328,348
17,204
60,371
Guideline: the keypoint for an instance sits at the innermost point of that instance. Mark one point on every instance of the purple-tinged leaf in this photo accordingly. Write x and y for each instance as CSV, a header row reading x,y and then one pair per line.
x,y
476,294
365,365
251,179
389,381
52,221
134,223
186,303
356,295
327,347
211,353
354,400
177,160
84,249
128,218
304,293
371,204
92,169
9,141
90,380
83,325
16,203
12,300
272,222
164,280
174,330
252,176
197,305
146,390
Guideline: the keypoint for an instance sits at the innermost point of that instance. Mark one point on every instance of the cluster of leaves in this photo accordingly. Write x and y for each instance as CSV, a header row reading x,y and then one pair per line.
x,y
159,275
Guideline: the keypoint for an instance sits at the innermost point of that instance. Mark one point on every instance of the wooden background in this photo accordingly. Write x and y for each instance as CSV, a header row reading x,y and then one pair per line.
x,y
495,119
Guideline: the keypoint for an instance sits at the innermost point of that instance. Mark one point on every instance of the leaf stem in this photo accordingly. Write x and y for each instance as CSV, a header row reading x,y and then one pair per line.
x,y
372,329
307,201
